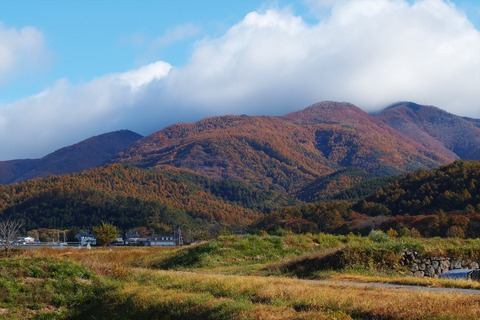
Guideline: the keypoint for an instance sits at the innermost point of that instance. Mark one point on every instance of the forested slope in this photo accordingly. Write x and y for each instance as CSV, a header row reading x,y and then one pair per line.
x,y
130,197
440,202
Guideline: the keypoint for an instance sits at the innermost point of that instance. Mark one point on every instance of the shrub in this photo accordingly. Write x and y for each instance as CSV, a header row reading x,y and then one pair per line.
x,y
105,233
378,236
392,233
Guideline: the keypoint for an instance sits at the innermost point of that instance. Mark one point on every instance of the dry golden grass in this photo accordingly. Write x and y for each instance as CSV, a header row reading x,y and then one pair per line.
x,y
102,260
265,297
322,299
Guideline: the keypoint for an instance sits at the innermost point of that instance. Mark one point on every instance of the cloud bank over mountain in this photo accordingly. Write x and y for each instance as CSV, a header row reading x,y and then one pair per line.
x,y
370,53
67,113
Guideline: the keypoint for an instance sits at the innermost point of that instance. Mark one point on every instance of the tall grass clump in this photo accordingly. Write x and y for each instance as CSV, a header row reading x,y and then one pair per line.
x,y
43,287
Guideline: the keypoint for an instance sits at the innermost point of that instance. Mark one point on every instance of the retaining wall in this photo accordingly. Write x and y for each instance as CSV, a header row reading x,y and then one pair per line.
x,y
432,267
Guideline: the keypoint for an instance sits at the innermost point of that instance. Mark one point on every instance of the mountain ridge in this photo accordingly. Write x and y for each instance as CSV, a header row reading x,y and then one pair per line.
x,y
87,154
435,128
288,152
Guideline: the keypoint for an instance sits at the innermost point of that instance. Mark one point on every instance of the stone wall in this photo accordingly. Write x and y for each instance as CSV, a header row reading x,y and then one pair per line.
x,y
432,267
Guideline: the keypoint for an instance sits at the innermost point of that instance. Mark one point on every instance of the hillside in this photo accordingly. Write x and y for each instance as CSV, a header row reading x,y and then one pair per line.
x,y
435,129
286,153
439,202
351,183
264,151
130,197
87,154
363,140
454,187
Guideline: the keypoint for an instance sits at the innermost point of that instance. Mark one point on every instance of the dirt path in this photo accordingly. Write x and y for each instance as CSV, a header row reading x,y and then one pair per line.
x,y
395,286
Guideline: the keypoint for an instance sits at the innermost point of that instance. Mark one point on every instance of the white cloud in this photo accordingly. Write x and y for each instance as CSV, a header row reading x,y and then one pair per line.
x,y
67,113
139,77
149,48
178,33
21,51
371,53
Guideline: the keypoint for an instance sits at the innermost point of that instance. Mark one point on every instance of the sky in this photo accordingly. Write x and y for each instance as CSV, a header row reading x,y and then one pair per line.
x,y
73,69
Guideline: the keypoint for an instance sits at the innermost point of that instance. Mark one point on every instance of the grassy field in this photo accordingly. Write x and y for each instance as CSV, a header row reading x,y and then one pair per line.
x,y
249,277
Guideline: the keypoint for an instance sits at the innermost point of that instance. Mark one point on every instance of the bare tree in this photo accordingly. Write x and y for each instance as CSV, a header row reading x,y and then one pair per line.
x,y
9,230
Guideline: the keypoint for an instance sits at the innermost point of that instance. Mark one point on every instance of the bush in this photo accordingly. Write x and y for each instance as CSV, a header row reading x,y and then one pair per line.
x,y
378,236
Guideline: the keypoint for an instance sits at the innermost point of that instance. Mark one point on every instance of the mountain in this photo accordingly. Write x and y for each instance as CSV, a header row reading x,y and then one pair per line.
x,y
132,197
313,154
438,130
361,140
286,153
264,151
87,154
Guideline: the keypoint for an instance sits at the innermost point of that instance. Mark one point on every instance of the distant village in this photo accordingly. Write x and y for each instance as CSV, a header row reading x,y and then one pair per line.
x,y
87,240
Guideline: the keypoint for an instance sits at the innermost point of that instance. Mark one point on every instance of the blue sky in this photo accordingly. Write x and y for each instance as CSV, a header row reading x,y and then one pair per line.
x,y
89,38
73,69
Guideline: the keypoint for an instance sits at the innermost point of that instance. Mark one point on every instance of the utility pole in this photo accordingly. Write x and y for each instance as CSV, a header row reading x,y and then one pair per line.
x,y
179,237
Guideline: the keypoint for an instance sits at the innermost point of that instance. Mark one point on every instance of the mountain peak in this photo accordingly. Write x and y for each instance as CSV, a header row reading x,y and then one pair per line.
x,y
328,105
327,112
407,104
435,128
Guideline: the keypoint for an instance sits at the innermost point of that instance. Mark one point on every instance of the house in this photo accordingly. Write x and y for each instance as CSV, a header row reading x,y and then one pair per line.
x,y
131,234
86,238
161,241
119,241
172,240
136,241
175,239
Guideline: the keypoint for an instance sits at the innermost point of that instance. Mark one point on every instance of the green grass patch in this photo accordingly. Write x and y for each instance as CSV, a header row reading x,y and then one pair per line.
x,y
228,251
307,255
43,288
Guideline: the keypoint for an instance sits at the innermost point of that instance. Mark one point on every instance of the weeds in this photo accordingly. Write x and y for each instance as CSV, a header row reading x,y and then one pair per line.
x,y
126,283
33,286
